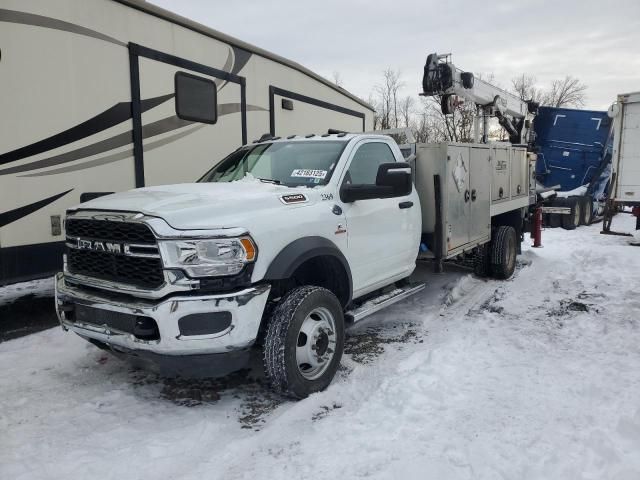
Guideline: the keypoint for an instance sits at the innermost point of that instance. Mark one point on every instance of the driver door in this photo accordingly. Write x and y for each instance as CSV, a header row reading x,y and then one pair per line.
x,y
380,245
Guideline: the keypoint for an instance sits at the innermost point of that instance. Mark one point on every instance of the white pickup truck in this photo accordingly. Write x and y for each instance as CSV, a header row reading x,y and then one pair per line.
x,y
275,249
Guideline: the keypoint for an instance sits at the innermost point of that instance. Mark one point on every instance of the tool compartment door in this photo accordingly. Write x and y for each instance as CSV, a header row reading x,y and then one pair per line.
x,y
480,198
457,213
501,174
519,173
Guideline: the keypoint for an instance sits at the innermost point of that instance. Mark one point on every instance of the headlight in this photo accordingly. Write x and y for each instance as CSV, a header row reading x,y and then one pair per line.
x,y
208,258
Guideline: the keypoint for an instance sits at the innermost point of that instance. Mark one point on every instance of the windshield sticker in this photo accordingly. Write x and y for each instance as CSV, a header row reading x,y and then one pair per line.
x,y
306,173
294,198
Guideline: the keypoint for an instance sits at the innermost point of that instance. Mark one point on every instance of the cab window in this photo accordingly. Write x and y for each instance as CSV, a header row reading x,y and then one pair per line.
x,y
364,165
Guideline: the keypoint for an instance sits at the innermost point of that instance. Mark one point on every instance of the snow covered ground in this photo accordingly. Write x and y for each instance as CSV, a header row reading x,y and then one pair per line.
x,y
26,308
36,288
533,378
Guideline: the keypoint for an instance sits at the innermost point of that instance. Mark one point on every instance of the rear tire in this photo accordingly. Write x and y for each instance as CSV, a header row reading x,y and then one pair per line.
x,y
587,210
503,252
304,341
555,219
572,220
482,260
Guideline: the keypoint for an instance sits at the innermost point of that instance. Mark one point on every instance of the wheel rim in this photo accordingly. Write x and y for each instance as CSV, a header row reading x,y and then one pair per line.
x,y
316,343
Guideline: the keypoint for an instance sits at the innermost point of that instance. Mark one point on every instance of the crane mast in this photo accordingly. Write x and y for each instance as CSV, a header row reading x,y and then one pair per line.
x,y
442,78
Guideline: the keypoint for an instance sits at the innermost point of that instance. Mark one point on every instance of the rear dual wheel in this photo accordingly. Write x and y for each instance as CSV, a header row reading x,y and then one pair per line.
x,y
504,249
587,210
482,260
555,219
498,257
572,220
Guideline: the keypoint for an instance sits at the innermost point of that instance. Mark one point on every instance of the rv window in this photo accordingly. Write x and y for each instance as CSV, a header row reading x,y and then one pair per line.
x,y
196,98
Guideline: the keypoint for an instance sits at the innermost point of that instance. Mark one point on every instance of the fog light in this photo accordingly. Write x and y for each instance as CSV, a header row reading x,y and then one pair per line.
x,y
146,328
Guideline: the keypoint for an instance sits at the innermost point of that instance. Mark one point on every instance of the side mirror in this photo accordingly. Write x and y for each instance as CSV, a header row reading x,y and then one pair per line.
x,y
392,180
396,175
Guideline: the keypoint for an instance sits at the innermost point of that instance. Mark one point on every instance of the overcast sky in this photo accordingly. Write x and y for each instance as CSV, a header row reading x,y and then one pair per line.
x,y
596,41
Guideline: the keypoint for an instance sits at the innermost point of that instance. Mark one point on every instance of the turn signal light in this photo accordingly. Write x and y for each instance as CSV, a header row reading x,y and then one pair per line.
x,y
249,248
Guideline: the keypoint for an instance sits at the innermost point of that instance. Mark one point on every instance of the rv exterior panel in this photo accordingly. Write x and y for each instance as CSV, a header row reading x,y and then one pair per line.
x,y
89,99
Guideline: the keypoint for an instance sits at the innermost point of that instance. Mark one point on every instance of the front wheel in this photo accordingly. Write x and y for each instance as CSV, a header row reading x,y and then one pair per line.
x,y
304,341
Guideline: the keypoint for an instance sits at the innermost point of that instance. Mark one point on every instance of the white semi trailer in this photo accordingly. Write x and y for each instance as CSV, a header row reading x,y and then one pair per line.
x,y
102,96
626,149
624,187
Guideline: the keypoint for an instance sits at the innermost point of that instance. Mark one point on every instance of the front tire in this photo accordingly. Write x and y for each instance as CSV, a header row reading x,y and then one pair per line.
x,y
304,341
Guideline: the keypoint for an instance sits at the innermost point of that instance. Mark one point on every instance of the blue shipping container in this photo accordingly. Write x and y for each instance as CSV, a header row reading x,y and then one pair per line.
x,y
571,145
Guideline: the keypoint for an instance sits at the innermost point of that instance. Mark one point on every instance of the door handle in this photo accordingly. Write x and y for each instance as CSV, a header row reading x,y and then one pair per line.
x,y
408,204
466,196
473,195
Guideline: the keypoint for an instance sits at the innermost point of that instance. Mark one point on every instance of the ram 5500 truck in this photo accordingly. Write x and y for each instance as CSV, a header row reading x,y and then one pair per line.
x,y
279,246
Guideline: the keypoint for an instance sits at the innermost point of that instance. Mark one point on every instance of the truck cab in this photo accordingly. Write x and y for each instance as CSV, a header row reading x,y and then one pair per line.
x,y
270,249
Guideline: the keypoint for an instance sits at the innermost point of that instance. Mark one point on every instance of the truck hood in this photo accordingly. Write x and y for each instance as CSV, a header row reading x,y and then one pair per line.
x,y
189,206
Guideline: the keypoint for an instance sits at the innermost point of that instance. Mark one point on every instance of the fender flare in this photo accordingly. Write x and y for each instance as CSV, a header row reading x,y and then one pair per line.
x,y
299,251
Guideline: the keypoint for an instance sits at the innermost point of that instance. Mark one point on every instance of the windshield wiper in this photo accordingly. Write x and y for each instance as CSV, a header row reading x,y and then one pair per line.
x,y
270,180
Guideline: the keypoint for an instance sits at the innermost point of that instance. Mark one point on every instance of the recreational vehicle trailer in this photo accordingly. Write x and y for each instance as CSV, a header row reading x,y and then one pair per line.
x,y
101,96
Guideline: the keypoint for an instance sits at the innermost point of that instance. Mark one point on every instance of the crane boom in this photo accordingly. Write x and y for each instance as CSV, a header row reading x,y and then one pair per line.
x,y
442,78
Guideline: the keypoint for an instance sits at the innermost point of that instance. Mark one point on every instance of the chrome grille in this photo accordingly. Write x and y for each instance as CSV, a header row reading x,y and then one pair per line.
x,y
111,231
135,260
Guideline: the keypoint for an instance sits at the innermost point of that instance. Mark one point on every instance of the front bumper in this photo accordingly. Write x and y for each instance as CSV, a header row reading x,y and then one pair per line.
x,y
245,306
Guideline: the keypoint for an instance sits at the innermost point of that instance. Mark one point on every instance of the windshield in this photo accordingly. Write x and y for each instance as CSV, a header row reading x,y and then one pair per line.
x,y
294,164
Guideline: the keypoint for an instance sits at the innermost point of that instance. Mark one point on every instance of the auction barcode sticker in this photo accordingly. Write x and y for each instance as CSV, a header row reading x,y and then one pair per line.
x,y
306,173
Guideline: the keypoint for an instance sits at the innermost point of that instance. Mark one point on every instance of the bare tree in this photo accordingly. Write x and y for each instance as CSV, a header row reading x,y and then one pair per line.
x,y
422,128
427,124
373,101
525,87
568,92
406,111
425,117
386,99
458,126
